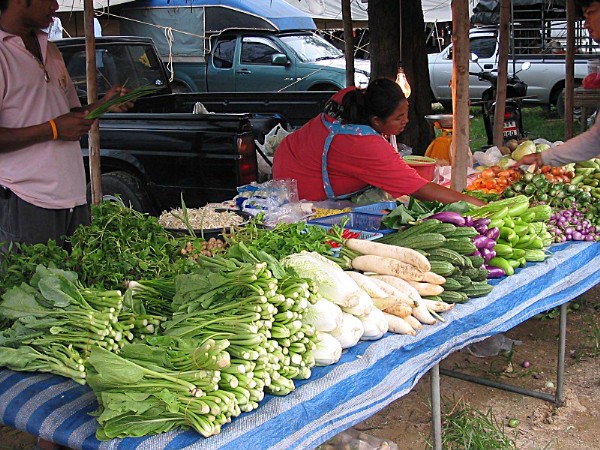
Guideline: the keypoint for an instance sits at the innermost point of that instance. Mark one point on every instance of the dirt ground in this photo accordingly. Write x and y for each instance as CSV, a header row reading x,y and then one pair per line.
x,y
542,426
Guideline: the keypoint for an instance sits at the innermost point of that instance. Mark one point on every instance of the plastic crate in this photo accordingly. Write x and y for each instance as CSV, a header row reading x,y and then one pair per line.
x,y
366,235
355,221
380,208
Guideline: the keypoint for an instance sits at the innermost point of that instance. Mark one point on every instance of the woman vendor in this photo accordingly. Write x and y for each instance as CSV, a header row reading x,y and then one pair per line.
x,y
343,151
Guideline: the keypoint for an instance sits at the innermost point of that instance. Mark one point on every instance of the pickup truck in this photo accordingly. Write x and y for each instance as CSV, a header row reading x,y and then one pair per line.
x,y
233,46
160,150
545,78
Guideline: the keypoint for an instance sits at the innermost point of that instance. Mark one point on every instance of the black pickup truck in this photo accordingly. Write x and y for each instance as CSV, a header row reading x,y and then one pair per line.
x,y
161,149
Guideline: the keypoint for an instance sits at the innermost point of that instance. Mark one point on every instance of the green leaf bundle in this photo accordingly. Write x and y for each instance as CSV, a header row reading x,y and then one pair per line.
x,y
118,100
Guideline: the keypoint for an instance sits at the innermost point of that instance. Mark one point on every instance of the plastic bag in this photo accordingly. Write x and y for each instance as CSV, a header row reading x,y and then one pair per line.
x,y
490,157
273,138
491,346
276,199
356,440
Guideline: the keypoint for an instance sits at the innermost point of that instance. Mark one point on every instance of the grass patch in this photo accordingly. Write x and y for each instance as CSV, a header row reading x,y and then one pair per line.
x,y
466,428
537,123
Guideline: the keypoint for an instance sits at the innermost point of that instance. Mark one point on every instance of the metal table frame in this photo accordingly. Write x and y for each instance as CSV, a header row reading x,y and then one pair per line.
x,y
557,398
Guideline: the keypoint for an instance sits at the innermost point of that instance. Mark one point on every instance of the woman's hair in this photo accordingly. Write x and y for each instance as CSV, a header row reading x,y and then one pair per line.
x,y
380,98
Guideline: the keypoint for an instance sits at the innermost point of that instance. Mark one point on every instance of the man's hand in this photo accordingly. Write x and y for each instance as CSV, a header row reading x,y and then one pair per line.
x,y
115,91
72,126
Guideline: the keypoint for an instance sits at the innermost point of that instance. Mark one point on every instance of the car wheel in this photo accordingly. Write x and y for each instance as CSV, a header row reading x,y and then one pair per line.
x,y
124,187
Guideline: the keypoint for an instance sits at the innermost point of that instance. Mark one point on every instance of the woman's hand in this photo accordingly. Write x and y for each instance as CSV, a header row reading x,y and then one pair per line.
x,y
113,92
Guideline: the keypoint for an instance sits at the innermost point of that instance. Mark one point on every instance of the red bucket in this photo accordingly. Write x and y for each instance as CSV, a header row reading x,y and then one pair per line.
x,y
423,165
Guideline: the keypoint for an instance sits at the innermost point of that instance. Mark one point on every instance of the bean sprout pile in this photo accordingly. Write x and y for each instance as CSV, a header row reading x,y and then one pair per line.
x,y
204,218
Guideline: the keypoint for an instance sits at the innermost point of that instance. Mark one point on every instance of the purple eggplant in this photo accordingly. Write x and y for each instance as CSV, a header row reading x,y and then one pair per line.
x,y
481,228
449,217
469,221
493,233
487,253
481,241
483,221
476,253
495,272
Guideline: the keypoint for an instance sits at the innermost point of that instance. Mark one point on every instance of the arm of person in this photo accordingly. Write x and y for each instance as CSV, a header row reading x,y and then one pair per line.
x,y
68,127
433,191
580,148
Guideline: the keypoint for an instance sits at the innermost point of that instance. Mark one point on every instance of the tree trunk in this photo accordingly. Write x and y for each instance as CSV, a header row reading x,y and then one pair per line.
x,y
384,22
348,42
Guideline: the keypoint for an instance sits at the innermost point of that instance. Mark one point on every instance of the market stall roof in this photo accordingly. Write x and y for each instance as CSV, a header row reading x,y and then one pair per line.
x,y
77,5
331,10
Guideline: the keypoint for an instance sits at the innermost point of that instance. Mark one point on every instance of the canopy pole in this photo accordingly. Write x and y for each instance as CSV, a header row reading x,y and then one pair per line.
x,y
569,70
459,148
498,136
92,96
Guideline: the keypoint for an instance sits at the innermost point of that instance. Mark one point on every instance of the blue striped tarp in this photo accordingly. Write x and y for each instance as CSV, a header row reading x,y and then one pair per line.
x,y
367,378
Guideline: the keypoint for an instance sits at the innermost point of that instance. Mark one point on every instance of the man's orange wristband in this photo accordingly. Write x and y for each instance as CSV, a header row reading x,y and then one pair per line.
x,y
54,129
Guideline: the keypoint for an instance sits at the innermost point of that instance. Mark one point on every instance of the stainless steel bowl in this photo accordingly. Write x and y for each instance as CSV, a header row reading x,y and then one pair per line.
x,y
445,120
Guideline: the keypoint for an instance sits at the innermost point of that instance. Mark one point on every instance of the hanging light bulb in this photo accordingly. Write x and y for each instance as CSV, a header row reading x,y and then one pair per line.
x,y
403,82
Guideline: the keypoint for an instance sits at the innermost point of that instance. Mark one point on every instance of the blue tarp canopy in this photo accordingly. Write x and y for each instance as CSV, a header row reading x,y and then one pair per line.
x,y
222,14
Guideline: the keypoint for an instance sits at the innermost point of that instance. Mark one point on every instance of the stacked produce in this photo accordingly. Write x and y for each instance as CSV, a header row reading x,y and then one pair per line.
x,y
56,322
452,253
521,234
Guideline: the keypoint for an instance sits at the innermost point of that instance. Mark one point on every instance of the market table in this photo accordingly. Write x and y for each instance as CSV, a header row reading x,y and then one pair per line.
x,y
367,378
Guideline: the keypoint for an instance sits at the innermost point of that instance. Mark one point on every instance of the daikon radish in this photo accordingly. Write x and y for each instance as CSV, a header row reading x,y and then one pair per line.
x,y
367,285
382,303
426,288
400,284
399,309
387,266
422,314
414,323
407,255
434,278
436,306
393,292
420,311
398,325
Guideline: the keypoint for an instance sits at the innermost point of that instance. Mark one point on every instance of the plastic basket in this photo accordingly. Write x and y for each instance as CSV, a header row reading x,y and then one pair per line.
x,y
355,221
380,208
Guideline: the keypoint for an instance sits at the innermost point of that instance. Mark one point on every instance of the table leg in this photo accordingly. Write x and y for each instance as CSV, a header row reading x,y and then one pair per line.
x,y
436,407
562,340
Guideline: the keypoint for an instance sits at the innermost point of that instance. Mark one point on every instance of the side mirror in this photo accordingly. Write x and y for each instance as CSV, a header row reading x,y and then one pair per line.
x,y
474,57
279,59
526,65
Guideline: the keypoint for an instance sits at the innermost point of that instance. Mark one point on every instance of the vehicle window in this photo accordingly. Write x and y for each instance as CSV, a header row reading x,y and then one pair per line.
x,y
223,54
131,66
309,47
258,50
484,47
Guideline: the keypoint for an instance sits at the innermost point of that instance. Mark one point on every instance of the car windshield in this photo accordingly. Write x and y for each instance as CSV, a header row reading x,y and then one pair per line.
x,y
310,47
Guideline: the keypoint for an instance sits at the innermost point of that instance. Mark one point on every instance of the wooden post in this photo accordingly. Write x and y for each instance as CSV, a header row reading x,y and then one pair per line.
x,y
460,94
569,69
348,41
92,96
502,73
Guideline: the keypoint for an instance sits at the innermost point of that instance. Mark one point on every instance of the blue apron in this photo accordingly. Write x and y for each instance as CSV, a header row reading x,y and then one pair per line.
x,y
336,128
